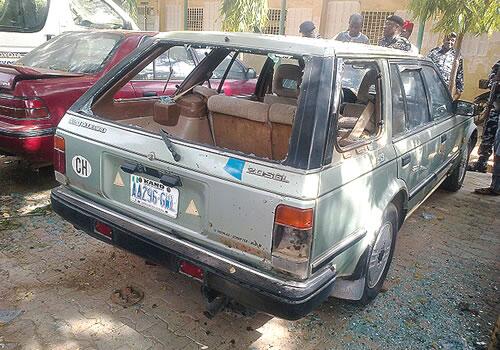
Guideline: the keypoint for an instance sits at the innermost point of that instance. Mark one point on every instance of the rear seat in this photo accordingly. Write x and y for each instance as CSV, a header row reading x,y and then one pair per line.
x,y
241,125
281,117
285,75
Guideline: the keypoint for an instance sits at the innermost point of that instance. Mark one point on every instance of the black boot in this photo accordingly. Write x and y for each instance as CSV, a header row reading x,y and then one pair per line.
x,y
480,166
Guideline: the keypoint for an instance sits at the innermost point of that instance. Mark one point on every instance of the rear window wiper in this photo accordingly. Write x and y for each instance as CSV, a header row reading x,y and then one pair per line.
x,y
166,138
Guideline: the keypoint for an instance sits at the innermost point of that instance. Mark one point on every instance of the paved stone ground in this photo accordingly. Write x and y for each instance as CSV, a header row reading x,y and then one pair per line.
x,y
442,290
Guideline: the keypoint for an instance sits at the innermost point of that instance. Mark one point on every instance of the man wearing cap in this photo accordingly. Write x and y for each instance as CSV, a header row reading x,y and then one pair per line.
x,y
406,33
353,33
392,34
308,30
443,56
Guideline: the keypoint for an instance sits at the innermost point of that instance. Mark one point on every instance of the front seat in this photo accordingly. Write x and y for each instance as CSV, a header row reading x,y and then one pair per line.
x,y
286,85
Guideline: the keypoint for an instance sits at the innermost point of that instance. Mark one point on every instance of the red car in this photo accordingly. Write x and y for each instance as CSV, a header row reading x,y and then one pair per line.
x,y
36,91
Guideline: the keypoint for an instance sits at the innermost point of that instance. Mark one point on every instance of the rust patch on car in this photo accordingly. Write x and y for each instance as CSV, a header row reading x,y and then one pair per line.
x,y
244,247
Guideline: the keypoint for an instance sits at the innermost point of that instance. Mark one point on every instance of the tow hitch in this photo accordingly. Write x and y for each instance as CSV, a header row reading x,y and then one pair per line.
x,y
216,302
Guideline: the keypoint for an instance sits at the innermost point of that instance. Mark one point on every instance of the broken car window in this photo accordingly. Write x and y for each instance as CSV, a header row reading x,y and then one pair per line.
x,y
95,14
360,103
171,97
23,15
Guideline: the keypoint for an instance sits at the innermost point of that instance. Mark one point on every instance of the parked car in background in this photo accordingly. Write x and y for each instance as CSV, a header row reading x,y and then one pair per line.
x,y
277,198
26,24
37,90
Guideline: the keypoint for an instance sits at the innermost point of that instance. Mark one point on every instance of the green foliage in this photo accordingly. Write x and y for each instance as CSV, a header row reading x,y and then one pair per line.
x,y
243,15
130,6
465,16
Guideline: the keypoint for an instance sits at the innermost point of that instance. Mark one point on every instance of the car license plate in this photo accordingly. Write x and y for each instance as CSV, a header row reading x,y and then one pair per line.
x,y
154,195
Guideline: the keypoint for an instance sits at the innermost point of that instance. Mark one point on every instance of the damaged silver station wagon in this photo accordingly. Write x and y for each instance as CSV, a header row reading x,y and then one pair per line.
x,y
274,200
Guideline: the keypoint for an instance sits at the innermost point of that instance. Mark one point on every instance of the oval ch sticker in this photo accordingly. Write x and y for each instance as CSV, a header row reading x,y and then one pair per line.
x,y
81,166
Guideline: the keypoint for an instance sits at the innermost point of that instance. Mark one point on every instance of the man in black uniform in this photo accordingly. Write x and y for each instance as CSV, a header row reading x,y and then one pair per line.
x,y
490,126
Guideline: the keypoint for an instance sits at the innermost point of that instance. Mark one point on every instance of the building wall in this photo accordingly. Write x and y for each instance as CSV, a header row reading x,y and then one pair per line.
x,y
331,17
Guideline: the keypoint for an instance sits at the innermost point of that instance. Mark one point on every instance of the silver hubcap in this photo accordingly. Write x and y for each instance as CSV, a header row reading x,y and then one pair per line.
x,y
380,255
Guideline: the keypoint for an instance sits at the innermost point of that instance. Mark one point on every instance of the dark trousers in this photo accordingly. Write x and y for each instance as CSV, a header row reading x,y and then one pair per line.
x,y
488,140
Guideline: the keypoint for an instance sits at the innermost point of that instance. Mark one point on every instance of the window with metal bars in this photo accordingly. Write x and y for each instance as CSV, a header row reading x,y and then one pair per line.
x,y
195,18
373,24
273,21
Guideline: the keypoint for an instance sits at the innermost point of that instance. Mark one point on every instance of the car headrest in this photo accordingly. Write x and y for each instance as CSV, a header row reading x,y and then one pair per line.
x,y
287,80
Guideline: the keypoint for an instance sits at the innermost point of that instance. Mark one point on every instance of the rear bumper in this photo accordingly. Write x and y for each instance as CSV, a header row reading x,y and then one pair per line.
x,y
251,287
33,144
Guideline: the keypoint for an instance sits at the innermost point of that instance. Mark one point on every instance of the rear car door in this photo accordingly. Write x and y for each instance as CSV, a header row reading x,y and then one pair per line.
x,y
415,148
445,123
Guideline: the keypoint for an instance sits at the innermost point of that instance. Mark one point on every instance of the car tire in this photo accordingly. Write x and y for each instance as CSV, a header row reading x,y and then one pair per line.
x,y
455,179
380,255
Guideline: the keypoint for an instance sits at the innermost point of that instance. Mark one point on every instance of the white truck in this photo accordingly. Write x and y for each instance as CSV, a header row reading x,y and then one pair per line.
x,y
26,24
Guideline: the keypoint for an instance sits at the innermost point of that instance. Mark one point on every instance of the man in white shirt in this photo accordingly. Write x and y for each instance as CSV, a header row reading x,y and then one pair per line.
x,y
353,34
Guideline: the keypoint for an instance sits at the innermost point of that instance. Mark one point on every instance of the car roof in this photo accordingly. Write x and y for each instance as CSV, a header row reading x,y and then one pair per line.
x,y
286,44
126,33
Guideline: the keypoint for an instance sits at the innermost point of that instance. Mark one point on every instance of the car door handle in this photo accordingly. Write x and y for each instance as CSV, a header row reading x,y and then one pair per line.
x,y
444,138
131,168
149,94
405,160
171,180
166,179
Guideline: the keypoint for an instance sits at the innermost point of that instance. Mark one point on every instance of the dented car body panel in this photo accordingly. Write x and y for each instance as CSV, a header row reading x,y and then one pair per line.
x,y
273,234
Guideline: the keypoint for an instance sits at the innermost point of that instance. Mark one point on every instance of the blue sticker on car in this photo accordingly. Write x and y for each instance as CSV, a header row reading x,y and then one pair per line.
x,y
234,167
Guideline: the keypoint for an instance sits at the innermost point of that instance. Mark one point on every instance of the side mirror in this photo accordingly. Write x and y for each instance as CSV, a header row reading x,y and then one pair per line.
x,y
465,108
250,74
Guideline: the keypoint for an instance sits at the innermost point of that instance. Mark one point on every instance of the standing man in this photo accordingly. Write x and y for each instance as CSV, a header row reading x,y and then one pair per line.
x,y
443,56
392,34
406,33
490,125
308,30
353,33
494,189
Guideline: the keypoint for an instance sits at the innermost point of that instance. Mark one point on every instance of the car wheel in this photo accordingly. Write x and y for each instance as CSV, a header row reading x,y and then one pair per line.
x,y
455,179
380,255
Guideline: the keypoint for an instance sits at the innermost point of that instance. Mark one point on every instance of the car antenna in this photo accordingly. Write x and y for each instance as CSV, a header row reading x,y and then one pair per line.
x,y
166,138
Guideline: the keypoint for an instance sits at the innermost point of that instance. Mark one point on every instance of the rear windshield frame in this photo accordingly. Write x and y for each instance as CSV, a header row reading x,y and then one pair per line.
x,y
34,29
309,131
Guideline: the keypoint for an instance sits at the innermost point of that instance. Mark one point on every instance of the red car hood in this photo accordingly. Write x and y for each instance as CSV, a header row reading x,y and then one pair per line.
x,y
10,74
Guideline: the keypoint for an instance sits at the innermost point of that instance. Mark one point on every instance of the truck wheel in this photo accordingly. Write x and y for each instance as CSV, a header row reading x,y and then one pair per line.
x,y
380,255
455,180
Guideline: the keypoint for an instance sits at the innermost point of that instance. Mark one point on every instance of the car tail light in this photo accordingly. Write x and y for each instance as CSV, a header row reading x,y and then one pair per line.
x,y
292,237
191,270
23,107
103,229
59,155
